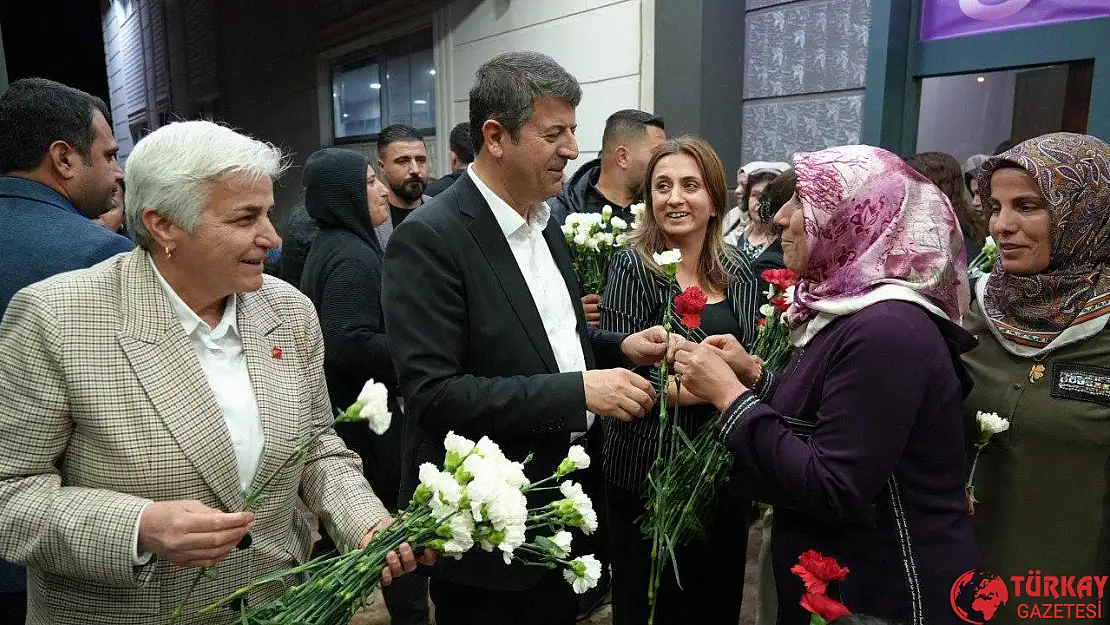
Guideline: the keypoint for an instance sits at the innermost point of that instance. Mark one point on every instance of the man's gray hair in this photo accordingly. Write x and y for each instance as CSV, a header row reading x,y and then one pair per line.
x,y
171,170
507,87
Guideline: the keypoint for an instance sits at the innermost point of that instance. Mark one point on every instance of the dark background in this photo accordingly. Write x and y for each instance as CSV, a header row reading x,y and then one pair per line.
x,y
57,39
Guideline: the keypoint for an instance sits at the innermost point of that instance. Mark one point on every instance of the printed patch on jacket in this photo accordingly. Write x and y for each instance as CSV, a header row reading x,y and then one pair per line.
x,y
1074,380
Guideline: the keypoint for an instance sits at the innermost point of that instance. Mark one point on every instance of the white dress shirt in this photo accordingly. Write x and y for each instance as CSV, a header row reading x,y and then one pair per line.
x,y
220,351
545,282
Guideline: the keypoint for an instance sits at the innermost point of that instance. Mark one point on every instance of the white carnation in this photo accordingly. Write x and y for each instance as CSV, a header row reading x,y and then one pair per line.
x,y
789,294
576,460
461,526
583,573
581,239
458,444
990,423
375,406
766,310
577,509
668,257
446,492
562,542
618,224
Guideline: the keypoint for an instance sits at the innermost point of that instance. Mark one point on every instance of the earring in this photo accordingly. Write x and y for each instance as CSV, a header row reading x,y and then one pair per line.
x,y
169,252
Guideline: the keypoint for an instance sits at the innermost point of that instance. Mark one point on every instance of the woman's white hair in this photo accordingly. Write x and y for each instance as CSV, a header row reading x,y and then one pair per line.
x,y
172,169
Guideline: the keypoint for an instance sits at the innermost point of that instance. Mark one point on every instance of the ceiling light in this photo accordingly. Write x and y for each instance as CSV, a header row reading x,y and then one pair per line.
x,y
419,101
346,115
980,79
432,72
375,85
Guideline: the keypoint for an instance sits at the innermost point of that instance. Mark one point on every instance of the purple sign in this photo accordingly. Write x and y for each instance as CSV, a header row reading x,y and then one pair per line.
x,y
941,19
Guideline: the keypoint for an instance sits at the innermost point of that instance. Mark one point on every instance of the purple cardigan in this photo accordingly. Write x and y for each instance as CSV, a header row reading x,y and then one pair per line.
x,y
884,388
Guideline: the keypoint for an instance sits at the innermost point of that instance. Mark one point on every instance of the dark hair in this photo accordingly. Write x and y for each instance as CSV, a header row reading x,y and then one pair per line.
x,y
507,87
1003,147
754,179
945,172
36,112
460,144
776,194
397,133
627,125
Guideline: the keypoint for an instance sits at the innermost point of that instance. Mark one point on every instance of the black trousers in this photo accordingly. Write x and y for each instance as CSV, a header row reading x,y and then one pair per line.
x,y
711,571
550,602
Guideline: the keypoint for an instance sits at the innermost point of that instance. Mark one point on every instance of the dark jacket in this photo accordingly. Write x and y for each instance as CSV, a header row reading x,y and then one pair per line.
x,y
296,240
43,234
342,277
883,392
473,355
442,184
580,195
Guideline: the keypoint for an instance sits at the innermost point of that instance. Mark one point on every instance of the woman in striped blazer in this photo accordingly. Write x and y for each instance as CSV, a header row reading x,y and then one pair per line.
x,y
686,201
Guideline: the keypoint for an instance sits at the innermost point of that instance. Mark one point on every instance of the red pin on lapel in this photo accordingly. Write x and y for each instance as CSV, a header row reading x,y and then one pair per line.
x,y
276,352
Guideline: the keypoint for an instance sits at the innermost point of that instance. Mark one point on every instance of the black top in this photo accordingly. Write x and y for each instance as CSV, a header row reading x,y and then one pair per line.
x,y
719,318
398,214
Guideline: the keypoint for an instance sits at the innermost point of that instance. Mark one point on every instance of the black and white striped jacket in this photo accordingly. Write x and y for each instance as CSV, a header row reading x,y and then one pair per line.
x,y
633,300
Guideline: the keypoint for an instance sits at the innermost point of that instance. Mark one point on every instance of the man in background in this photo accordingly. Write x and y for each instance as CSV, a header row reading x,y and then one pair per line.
x,y
462,154
403,163
616,178
58,155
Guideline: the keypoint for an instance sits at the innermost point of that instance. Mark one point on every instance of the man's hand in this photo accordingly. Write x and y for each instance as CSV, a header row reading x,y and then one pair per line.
x,y
705,374
189,533
745,366
589,307
648,347
400,561
617,393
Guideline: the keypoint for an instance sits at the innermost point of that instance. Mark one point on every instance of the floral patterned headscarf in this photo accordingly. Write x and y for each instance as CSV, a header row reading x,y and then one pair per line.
x,y
1072,295
876,230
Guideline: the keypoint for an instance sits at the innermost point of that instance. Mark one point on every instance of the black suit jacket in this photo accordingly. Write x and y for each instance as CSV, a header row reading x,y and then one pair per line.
x,y
472,354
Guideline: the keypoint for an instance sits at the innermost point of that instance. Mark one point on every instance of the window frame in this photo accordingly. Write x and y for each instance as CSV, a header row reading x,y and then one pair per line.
x,y
377,55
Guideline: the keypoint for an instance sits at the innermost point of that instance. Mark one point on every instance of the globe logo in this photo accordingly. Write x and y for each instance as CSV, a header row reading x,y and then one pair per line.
x,y
976,596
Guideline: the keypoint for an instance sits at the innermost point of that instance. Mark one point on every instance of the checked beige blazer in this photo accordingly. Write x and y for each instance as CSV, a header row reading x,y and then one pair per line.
x,y
104,407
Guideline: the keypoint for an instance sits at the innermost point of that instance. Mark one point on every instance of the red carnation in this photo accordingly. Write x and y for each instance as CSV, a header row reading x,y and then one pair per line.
x,y
761,322
781,278
824,606
689,304
779,303
817,569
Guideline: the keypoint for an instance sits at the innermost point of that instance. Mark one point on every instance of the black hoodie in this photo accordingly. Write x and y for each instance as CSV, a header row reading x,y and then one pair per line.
x,y
342,276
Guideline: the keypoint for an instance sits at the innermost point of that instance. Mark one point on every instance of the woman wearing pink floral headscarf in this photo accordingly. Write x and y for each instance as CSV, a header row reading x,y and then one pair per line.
x,y
859,445
1043,361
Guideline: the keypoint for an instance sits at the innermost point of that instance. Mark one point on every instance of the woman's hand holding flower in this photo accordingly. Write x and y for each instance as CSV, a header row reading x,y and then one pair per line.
x,y
746,367
706,374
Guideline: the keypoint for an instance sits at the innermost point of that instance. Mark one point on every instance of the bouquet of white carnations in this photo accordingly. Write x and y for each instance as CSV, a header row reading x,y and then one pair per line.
x,y
371,407
476,499
982,264
592,238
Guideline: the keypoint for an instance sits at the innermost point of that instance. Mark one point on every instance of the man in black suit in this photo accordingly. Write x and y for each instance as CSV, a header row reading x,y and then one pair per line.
x,y
482,313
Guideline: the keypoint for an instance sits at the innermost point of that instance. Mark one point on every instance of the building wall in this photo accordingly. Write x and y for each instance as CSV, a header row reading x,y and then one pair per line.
x,y
805,75
606,44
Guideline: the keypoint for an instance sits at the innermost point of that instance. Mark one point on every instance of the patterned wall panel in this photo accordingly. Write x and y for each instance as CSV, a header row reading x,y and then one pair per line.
x,y
775,129
806,47
762,4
